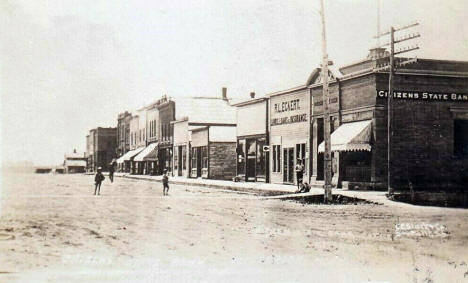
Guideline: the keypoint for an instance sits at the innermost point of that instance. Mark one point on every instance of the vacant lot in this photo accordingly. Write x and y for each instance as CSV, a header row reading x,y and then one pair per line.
x,y
53,229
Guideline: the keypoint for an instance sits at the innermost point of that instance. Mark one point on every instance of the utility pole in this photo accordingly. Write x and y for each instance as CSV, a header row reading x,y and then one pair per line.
x,y
389,111
326,112
391,67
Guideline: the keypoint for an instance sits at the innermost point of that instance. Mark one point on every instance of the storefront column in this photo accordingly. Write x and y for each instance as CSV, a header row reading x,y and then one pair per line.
x,y
314,151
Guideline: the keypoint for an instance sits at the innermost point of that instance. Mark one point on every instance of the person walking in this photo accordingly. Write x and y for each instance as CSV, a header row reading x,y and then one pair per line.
x,y
98,180
299,173
111,172
165,181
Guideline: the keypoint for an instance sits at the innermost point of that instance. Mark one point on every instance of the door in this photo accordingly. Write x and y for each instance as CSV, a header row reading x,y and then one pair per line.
x,y
179,160
288,165
251,160
260,166
199,161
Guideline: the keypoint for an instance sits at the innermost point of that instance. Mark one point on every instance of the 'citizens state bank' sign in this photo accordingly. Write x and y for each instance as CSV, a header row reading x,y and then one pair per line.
x,y
293,105
427,96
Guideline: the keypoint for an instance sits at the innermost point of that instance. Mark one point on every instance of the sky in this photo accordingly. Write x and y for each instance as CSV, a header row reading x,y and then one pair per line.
x,y
69,66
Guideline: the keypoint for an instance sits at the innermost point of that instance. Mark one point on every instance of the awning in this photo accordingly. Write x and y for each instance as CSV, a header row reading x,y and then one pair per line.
x,y
130,154
152,155
145,152
353,136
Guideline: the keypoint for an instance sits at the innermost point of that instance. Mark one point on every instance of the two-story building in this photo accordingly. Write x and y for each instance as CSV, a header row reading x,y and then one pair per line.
x,y
101,147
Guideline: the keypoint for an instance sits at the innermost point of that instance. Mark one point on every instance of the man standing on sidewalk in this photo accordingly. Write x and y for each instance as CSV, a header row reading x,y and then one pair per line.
x,y
299,172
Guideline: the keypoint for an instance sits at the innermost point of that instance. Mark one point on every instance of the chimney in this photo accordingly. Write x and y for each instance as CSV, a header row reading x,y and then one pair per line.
x,y
252,94
224,93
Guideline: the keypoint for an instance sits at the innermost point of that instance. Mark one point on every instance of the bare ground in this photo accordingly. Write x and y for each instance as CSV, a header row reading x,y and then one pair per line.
x,y
53,229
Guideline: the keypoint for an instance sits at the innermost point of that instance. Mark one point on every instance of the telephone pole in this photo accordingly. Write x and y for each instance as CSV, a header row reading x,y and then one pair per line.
x,y
389,111
391,66
326,112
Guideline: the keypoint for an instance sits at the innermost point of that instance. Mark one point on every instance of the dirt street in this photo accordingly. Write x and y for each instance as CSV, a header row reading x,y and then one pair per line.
x,y
52,228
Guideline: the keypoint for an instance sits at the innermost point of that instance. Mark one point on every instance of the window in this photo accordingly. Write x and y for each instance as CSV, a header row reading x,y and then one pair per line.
x,y
204,156
277,158
184,157
194,157
300,153
460,138
240,157
176,159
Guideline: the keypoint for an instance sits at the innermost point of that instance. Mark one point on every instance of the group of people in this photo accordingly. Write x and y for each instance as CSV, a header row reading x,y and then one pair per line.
x,y
99,178
302,187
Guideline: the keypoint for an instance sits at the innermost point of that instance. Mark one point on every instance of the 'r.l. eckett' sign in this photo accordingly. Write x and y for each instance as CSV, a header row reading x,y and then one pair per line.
x,y
427,96
288,106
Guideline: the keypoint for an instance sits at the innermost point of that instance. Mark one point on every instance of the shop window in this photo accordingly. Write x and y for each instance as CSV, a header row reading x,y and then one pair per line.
x,y
184,157
204,154
240,157
194,157
300,154
176,159
277,158
460,138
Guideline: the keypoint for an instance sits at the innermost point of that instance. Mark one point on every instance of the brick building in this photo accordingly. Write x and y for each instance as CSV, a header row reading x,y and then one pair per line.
x,y
123,133
430,140
252,139
101,146
166,110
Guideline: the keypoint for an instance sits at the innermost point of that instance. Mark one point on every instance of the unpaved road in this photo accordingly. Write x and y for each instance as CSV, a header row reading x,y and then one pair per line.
x,y
52,229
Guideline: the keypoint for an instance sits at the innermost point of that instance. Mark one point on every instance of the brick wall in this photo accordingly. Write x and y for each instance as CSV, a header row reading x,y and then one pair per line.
x,y
423,135
222,159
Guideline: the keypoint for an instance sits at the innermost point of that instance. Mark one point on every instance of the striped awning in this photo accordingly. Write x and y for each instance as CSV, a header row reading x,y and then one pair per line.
x,y
354,136
145,152
129,155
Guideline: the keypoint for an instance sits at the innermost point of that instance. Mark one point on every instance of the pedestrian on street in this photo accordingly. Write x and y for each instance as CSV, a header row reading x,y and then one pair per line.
x,y
165,180
299,172
98,180
111,172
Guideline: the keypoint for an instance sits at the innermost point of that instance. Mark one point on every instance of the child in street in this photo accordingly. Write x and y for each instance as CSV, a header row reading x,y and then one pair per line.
x,y
165,180
98,180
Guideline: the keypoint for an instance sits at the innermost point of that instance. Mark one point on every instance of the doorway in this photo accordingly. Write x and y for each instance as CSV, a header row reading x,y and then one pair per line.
x,y
178,160
251,160
288,165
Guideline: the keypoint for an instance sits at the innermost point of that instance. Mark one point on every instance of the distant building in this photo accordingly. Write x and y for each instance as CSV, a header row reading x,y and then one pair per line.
x,y
75,163
101,147
123,133
43,170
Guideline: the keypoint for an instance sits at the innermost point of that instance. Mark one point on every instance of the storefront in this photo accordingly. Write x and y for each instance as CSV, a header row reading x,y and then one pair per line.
x,y
213,152
181,148
126,161
144,166
252,140
289,134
